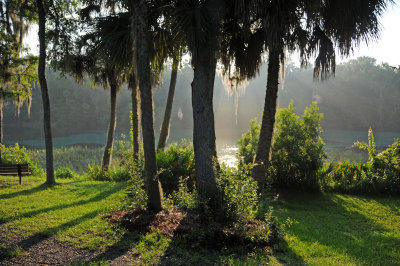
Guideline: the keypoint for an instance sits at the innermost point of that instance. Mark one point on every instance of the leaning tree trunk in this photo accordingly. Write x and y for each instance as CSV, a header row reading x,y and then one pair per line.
x,y
107,155
268,120
45,94
135,116
143,66
168,108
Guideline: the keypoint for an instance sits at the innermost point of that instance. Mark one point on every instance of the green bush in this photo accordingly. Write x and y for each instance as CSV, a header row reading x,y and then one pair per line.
x,y
183,197
64,172
239,195
177,161
248,143
136,195
380,175
297,149
14,154
114,173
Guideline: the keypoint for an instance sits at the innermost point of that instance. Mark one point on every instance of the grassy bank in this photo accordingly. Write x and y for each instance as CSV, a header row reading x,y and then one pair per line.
x,y
326,229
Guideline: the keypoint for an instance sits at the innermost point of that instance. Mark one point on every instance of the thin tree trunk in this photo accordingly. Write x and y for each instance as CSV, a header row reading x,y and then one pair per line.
x,y
107,155
1,125
168,108
268,120
143,65
135,116
45,94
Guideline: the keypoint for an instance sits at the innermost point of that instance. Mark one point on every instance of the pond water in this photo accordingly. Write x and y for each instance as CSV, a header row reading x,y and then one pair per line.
x,y
335,140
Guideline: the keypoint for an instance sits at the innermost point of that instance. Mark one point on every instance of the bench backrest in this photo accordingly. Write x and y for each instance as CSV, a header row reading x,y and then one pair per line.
x,y
13,168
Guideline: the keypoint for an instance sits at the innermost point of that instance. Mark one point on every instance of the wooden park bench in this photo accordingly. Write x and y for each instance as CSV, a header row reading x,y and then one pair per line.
x,y
15,169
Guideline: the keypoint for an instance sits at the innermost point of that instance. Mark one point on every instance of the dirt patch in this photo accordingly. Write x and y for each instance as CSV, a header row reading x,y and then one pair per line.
x,y
168,222
43,250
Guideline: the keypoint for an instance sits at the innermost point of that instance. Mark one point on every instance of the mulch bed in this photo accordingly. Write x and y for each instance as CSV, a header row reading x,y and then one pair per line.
x,y
168,222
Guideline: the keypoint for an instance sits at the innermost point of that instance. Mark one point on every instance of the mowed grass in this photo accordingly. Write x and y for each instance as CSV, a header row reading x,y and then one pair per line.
x,y
70,210
335,229
327,229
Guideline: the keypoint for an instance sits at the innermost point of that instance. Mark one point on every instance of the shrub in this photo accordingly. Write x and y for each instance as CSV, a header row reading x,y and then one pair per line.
x,y
64,172
177,161
136,196
239,195
298,150
94,172
248,143
380,175
183,197
14,154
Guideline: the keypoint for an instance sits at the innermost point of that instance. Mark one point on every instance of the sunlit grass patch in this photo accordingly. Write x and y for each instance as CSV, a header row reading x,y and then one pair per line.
x,y
339,229
70,210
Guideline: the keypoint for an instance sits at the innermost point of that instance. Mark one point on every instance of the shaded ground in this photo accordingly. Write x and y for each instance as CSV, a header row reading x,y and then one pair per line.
x,y
48,251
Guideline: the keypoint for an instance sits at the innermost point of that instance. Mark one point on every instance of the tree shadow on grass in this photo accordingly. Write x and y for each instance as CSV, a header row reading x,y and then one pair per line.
x,y
27,243
100,196
25,192
137,225
331,221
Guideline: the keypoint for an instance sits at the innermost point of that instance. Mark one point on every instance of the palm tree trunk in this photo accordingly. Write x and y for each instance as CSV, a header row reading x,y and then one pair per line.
x,y
204,62
168,108
107,155
135,116
203,125
143,65
1,124
45,94
268,120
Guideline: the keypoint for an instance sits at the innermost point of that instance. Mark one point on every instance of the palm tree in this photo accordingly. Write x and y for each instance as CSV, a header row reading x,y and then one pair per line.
x,y
168,108
141,14
45,93
142,11
328,25
200,23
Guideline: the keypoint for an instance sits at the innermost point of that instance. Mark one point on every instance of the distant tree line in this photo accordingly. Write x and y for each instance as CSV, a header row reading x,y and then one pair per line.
x,y
362,90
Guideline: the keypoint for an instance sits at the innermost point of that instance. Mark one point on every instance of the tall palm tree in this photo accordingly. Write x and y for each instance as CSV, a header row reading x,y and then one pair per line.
x,y
168,108
200,22
142,11
45,93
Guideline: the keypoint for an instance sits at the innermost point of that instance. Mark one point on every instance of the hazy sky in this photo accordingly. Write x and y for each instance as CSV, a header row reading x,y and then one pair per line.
x,y
385,50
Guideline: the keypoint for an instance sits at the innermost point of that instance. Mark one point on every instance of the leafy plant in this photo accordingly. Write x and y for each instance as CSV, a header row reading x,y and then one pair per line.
x,y
177,161
248,143
64,172
298,150
14,154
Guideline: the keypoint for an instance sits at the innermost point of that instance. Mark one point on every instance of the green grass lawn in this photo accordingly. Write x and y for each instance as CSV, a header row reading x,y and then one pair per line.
x,y
327,229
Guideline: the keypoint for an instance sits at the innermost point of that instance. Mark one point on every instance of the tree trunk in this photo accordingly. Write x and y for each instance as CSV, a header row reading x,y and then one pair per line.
x,y
1,124
268,120
204,63
45,94
135,116
143,65
107,155
168,108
